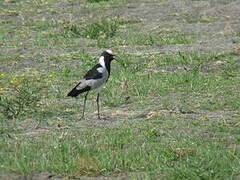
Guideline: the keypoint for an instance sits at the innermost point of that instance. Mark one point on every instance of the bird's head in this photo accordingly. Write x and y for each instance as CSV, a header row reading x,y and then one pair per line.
x,y
106,58
108,55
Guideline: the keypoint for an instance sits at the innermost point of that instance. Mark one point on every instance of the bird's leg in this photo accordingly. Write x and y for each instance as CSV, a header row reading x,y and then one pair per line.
x,y
98,105
85,99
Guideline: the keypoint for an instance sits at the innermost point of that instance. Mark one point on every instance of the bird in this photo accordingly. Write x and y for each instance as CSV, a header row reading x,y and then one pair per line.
x,y
94,79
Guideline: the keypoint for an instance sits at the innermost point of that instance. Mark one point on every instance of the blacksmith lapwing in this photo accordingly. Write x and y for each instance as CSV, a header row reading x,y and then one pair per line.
x,y
95,78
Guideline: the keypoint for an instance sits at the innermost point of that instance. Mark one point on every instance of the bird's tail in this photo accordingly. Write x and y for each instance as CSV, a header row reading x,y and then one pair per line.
x,y
75,91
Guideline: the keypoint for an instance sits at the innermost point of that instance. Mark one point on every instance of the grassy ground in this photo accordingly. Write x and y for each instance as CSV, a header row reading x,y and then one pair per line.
x,y
170,109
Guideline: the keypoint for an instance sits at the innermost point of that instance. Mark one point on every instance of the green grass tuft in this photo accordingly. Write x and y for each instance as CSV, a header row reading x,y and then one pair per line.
x,y
23,100
104,28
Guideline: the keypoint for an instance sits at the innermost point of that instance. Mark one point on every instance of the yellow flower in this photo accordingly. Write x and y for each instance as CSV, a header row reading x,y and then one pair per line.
x,y
3,74
50,75
2,89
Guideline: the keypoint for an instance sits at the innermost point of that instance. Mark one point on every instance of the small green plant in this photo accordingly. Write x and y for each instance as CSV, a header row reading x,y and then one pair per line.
x,y
71,30
24,99
105,28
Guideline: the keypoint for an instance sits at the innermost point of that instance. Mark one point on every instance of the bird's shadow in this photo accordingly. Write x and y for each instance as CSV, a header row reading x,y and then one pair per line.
x,y
102,118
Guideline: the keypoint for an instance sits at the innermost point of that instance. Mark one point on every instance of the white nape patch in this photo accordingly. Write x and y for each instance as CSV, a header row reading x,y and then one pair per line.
x,y
109,51
101,61
100,70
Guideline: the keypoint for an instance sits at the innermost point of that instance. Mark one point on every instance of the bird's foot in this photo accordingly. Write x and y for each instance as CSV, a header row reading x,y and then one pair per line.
x,y
103,118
